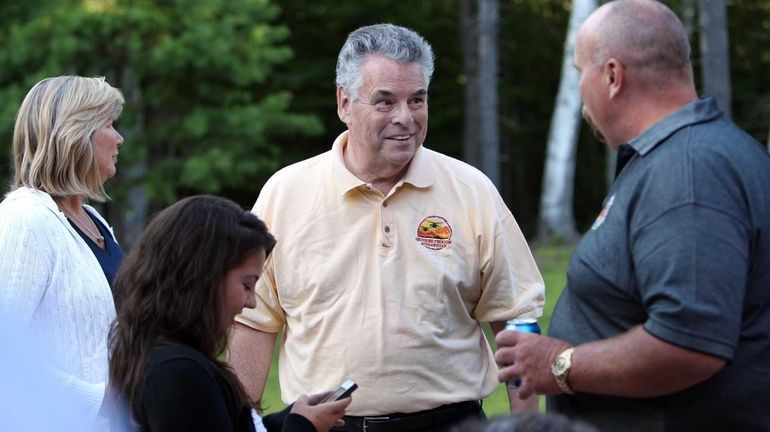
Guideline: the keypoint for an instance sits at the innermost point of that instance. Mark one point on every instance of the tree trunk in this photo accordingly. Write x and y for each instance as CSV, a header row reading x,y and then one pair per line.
x,y
132,210
488,65
556,218
715,52
469,38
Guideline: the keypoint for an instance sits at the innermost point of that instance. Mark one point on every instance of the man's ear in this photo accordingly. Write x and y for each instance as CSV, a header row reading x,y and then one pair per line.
x,y
615,75
343,105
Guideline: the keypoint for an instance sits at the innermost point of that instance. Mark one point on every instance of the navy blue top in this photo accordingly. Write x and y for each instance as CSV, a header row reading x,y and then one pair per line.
x,y
682,247
111,256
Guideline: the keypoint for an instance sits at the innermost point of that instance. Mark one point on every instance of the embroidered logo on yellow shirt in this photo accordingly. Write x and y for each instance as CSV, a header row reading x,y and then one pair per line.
x,y
434,233
603,215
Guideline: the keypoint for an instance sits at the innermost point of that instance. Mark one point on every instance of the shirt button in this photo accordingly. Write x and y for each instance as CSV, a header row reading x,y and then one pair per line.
x,y
384,203
387,229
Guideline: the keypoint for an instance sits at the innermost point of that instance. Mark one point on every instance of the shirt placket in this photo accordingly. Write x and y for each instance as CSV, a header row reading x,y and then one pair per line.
x,y
387,223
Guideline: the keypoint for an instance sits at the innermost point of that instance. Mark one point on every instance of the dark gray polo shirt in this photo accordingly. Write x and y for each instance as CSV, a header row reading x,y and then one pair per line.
x,y
681,246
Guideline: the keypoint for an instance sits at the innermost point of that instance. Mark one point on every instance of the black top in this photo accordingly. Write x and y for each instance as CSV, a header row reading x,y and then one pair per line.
x,y
185,391
682,247
111,256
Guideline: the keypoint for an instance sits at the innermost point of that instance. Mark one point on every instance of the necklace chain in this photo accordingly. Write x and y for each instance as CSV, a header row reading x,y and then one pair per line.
x,y
96,234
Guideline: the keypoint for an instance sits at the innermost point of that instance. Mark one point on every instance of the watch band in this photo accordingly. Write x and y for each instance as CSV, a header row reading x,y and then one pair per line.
x,y
565,360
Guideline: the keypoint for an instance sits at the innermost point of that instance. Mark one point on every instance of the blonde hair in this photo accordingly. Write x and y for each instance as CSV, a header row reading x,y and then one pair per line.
x,y
52,148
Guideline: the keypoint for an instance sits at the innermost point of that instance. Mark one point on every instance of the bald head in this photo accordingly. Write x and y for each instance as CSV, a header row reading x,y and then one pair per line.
x,y
639,33
634,61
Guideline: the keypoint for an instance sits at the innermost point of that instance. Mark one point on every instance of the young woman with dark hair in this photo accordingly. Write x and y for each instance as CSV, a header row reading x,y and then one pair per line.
x,y
178,290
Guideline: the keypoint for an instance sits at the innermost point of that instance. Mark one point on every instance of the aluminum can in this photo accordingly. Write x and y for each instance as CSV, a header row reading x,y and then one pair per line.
x,y
526,325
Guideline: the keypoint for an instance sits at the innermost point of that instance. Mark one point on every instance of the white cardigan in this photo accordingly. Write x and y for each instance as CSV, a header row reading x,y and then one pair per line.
x,y
52,284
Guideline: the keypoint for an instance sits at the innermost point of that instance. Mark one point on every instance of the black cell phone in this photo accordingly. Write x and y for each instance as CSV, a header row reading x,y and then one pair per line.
x,y
343,391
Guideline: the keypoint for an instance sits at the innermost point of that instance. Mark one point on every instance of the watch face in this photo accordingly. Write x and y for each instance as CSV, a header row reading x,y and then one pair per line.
x,y
558,365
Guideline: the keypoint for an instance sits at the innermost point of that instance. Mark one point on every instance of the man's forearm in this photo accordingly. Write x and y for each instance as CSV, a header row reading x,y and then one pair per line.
x,y
637,364
250,356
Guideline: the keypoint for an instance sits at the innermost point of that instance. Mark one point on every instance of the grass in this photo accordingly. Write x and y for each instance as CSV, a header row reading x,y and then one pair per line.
x,y
552,261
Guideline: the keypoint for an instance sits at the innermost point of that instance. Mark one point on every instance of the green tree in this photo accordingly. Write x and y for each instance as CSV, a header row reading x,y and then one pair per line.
x,y
749,27
201,113
211,86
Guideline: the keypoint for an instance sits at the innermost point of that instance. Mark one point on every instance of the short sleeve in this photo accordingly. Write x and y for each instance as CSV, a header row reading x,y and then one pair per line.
x,y
511,284
268,315
691,264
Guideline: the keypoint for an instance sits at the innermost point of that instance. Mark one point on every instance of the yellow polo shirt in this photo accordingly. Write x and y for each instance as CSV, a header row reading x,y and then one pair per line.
x,y
389,290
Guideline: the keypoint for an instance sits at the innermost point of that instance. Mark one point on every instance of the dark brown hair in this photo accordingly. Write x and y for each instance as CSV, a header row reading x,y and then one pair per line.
x,y
167,288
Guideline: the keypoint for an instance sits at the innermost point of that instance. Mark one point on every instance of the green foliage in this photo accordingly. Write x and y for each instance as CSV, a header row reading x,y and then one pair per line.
x,y
213,86
200,113
749,23
531,47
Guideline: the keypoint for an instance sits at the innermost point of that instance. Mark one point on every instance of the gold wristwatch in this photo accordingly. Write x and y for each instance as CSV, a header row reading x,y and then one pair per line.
x,y
560,369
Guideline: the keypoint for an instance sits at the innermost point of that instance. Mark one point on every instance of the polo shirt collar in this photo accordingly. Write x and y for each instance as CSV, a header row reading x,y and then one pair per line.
x,y
699,111
345,179
419,174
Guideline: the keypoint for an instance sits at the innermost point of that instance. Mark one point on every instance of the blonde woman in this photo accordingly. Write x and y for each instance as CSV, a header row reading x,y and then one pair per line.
x,y
57,254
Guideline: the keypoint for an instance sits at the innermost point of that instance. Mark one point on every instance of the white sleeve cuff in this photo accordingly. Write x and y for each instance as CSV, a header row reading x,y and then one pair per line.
x,y
258,425
89,396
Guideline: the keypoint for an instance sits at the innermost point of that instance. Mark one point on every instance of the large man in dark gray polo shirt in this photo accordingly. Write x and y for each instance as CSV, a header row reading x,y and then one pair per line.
x,y
665,321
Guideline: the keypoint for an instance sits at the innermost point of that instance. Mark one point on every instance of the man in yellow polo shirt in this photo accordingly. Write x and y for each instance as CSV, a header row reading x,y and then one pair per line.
x,y
389,258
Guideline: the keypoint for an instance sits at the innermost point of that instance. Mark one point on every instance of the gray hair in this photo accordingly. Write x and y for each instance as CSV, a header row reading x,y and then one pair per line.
x,y
397,43
642,33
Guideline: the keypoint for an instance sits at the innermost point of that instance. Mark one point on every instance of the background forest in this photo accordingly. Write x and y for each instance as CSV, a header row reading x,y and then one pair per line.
x,y
221,93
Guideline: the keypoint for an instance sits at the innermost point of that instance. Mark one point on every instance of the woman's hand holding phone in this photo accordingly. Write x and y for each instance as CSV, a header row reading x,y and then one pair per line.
x,y
325,409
